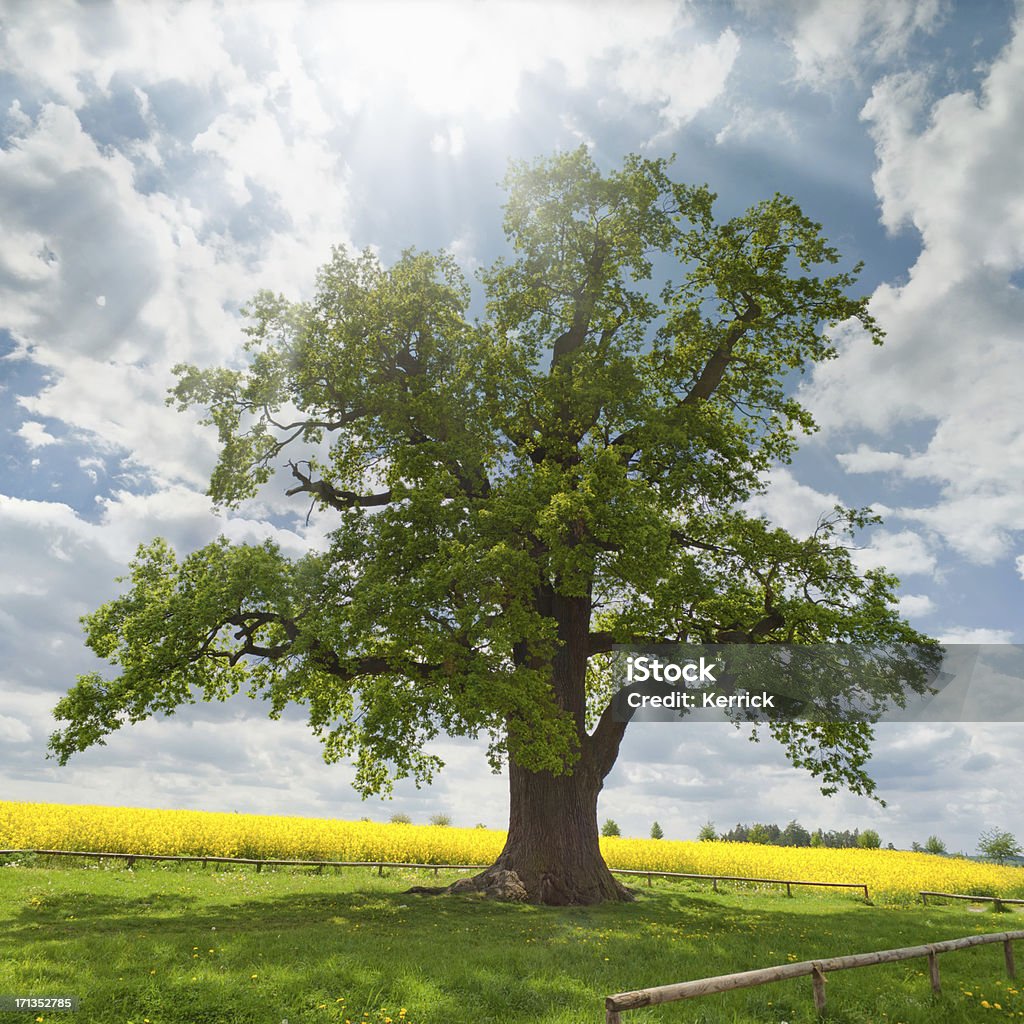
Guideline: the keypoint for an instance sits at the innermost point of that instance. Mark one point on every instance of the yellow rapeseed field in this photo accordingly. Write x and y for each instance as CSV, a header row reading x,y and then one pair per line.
x,y
889,874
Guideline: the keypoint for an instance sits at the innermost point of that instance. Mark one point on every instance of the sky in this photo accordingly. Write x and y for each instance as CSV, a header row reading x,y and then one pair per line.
x,y
162,162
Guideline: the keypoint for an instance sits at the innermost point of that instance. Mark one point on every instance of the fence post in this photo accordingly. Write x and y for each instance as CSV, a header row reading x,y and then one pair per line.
x,y
789,890
933,970
714,884
818,980
1008,953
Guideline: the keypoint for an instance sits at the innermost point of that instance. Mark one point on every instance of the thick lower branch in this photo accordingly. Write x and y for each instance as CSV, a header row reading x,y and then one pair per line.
x,y
330,495
603,743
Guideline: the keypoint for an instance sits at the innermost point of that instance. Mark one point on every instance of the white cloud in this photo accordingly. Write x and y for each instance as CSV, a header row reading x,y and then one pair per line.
x,y
1020,566
832,41
915,604
952,361
35,435
903,553
92,466
749,122
975,523
13,730
170,287
975,635
464,249
64,49
683,85
794,506
868,460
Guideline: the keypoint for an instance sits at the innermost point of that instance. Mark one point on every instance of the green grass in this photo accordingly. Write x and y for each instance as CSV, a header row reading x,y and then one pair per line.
x,y
184,945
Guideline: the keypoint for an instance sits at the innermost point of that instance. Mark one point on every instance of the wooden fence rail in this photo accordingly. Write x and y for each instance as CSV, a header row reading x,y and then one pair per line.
x,y
715,879
132,857
380,865
998,901
816,969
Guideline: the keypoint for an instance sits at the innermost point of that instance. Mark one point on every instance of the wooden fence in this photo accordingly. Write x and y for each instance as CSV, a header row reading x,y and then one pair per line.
x,y
715,879
816,969
381,865
997,901
198,858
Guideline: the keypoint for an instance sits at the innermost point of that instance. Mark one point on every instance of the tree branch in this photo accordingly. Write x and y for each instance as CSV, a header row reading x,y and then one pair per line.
x,y
249,623
714,369
603,743
681,538
330,495
345,419
583,310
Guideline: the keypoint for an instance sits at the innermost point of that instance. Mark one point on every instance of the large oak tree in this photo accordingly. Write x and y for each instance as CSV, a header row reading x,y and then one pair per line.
x,y
512,496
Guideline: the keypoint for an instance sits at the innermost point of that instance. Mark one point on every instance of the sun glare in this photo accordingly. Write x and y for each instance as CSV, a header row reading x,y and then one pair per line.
x,y
454,56
451,58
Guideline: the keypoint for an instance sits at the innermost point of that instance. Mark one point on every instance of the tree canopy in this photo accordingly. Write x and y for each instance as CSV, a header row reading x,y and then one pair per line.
x,y
998,844
513,494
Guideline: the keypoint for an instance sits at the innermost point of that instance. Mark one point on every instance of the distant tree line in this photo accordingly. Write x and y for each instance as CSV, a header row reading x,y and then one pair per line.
x,y
794,834
994,844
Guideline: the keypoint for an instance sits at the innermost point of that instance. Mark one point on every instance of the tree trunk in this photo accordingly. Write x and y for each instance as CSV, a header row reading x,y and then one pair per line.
x,y
552,854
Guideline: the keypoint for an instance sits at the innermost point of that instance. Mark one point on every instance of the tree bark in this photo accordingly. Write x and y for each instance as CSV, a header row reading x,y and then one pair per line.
x,y
552,854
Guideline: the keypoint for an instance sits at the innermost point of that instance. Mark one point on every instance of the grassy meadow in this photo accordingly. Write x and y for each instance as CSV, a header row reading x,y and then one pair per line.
x,y
180,944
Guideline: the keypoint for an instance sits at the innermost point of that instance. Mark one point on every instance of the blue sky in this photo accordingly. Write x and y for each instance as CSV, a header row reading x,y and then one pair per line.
x,y
162,162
